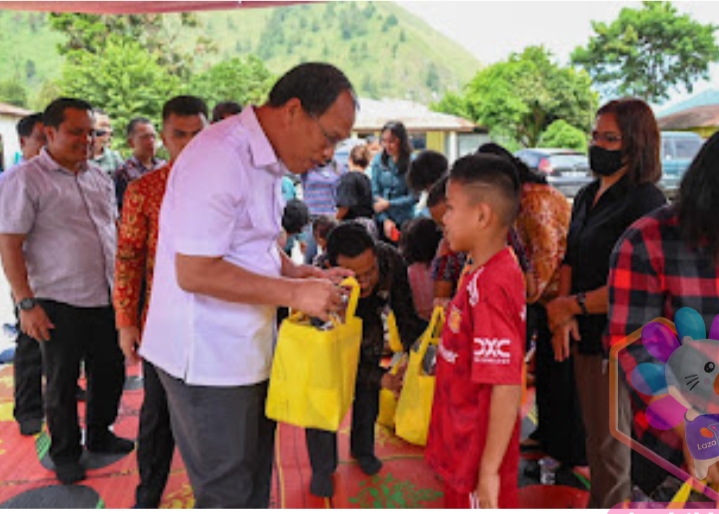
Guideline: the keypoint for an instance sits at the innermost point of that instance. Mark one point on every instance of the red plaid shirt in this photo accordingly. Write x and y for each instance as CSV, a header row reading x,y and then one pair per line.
x,y
654,273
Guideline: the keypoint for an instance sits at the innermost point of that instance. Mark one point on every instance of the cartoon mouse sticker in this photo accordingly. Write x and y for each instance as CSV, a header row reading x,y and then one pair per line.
x,y
686,386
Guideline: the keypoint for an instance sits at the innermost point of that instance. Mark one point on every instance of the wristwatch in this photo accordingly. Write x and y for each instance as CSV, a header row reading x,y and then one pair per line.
x,y
27,304
582,302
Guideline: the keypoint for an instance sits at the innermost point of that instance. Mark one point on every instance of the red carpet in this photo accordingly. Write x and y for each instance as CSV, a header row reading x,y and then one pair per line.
x,y
405,480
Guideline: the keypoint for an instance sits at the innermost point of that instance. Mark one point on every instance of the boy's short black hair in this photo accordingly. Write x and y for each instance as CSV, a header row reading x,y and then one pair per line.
x,y
27,124
295,217
493,180
419,241
323,225
438,193
349,239
426,169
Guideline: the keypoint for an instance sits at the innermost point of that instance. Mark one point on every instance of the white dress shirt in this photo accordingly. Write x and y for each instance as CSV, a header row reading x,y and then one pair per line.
x,y
224,200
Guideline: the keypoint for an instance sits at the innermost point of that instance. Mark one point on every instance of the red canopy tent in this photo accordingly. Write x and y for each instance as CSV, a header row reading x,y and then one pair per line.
x,y
137,7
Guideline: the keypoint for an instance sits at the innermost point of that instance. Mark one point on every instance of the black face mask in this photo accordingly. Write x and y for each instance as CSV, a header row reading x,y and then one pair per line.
x,y
605,163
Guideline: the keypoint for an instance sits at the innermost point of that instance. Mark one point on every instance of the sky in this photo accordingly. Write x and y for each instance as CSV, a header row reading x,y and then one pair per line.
x,y
491,30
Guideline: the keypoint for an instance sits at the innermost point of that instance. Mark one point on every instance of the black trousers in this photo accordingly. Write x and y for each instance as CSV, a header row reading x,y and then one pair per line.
x,y
155,444
80,334
560,429
322,445
226,441
27,371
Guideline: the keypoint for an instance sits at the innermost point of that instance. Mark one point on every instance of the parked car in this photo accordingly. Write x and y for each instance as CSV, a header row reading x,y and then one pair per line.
x,y
678,151
567,170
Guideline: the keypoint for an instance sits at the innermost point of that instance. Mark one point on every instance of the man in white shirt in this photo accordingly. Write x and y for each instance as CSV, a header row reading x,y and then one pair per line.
x,y
220,275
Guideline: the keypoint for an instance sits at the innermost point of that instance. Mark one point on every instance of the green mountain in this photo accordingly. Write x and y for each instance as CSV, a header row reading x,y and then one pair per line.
x,y
385,50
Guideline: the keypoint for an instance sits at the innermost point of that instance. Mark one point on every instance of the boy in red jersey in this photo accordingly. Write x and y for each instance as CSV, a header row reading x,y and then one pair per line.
x,y
473,439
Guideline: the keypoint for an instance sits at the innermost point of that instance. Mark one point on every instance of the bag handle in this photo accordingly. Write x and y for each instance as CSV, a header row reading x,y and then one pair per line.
x,y
352,302
431,333
351,310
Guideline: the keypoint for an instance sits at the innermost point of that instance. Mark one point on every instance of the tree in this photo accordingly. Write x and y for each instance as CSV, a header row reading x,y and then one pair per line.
x,y
13,92
126,81
519,98
244,81
561,134
453,103
49,91
649,51
159,34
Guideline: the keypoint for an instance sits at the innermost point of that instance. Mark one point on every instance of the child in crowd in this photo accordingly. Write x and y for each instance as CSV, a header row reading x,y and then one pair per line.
x,y
418,245
321,228
295,218
473,439
447,265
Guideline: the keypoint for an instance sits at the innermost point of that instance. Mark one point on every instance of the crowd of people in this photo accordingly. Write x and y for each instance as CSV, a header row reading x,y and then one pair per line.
x,y
183,264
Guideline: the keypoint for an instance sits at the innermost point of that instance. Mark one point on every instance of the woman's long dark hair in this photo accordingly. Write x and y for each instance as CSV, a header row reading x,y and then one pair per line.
x,y
526,176
640,138
697,200
398,130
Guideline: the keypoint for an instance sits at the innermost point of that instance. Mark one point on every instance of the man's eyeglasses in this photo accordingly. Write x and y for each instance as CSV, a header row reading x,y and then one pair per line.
x,y
332,141
607,137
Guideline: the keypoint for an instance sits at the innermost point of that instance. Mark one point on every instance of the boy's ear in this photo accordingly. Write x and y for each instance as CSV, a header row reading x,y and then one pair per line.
x,y
484,214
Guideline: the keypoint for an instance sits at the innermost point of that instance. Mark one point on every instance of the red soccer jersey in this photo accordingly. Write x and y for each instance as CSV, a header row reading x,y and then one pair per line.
x,y
482,346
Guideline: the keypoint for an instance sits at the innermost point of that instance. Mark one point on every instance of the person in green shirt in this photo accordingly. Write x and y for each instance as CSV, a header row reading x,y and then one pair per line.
x,y
103,156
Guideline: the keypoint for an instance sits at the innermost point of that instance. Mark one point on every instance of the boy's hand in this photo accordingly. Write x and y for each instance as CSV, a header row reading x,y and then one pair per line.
x,y
488,491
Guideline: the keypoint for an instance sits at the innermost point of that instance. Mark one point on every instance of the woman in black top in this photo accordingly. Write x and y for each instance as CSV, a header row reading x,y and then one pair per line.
x,y
624,155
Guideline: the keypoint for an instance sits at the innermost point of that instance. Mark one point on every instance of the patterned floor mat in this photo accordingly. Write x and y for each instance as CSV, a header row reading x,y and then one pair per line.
x,y
27,480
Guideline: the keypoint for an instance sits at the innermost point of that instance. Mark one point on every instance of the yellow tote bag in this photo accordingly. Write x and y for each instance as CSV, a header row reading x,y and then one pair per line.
x,y
313,372
387,399
395,342
414,407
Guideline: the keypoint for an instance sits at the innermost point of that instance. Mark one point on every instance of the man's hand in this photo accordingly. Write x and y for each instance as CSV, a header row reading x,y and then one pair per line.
x,y
130,343
488,491
394,382
560,339
36,324
319,298
381,205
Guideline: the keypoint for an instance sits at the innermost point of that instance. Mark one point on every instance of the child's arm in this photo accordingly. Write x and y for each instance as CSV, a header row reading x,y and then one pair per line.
x,y
503,412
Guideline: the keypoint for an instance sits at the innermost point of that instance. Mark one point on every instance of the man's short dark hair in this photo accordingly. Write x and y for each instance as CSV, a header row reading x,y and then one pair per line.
x,y
438,192
134,122
295,217
316,85
54,114
27,124
349,239
184,105
426,169
224,109
491,179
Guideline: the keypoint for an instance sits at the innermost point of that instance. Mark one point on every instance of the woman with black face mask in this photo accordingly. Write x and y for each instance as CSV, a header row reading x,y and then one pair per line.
x,y
624,155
